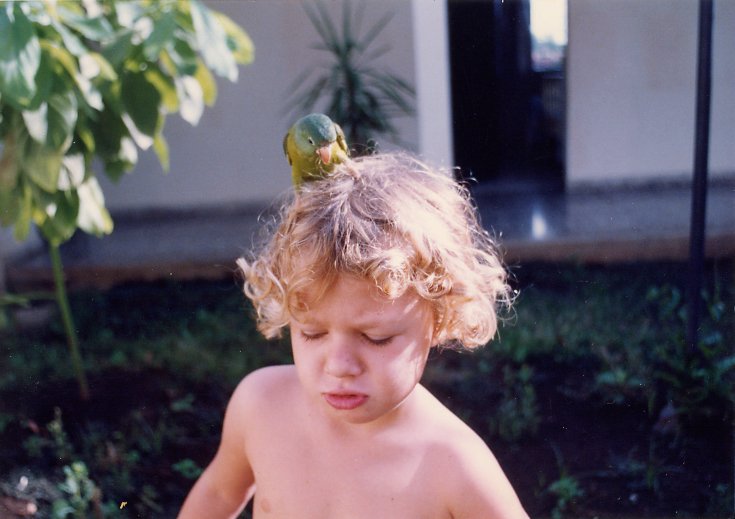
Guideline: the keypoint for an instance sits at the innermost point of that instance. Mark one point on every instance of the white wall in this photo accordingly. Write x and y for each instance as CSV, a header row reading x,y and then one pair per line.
x,y
631,79
631,90
433,96
723,92
10,247
234,156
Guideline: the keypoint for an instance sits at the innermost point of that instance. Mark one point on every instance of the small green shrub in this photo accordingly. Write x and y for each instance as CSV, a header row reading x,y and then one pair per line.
x,y
566,490
52,441
517,414
699,381
81,495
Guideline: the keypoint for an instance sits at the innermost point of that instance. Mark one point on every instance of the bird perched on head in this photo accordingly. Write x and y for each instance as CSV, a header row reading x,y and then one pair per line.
x,y
313,145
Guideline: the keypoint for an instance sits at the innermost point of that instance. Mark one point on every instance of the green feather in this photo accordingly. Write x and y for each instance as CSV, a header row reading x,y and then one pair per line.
x,y
313,145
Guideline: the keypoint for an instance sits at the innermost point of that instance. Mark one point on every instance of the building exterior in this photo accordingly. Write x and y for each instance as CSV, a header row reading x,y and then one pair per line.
x,y
629,97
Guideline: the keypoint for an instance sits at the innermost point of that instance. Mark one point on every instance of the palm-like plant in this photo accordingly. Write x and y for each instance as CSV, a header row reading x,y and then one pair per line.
x,y
361,98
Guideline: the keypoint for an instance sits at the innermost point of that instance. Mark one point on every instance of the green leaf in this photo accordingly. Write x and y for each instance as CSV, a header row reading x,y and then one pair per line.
x,y
183,57
238,41
106,71
191,99
72,43
111,93
128,13
44,80
62,117
87,137
9,207
167,64
42,165
107,131
212,42
119,48
93,216
162,34
141,100
36,122
128,153
72,172
187,467
91,95
8,164
20,55
61,508
160,146
116,169
122,160
59,221
96,29
142,140
165,87
62,57
206,81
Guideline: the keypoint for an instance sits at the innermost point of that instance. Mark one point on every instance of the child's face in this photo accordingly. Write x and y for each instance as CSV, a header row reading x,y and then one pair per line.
x,y
359,354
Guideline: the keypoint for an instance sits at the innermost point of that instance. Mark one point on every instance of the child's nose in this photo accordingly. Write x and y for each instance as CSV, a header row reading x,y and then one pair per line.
x,y
342,360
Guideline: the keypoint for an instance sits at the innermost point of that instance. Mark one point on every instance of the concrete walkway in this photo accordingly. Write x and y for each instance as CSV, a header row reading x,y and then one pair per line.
x,y
622,225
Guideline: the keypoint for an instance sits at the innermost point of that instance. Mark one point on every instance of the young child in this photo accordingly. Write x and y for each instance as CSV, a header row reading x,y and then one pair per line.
x,y
369,269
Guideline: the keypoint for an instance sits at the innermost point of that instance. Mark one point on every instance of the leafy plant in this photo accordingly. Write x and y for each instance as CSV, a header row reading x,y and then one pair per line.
x,y
52,441
566,490
88,83
699,383
517,414
362,98
624,374
80,493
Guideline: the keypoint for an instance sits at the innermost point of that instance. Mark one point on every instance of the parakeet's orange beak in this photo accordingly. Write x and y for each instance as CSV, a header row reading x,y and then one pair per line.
x,y
325,153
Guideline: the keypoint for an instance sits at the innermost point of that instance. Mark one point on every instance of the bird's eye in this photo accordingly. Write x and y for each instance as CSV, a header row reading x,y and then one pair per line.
x,y
311,141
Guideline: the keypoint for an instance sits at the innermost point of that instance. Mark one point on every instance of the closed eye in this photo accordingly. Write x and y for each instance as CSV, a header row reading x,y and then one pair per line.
x,y
382,341
311,336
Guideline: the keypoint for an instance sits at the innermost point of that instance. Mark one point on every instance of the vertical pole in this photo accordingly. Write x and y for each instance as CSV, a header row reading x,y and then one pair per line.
x,y
699,184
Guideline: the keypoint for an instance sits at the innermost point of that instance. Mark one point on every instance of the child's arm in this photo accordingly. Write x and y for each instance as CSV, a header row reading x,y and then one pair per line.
x,y
227,484
481,488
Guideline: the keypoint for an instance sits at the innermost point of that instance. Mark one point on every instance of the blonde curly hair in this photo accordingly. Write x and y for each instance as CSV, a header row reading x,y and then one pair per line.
x,y
390,219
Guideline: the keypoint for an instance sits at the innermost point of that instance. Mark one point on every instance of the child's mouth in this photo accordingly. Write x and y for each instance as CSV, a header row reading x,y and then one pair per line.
x,y
345,401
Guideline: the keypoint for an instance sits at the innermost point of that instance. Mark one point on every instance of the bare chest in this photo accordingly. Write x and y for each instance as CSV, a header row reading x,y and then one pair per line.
x,y
299,478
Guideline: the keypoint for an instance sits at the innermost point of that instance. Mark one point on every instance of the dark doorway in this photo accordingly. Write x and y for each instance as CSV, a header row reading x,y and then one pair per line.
x,y
507,96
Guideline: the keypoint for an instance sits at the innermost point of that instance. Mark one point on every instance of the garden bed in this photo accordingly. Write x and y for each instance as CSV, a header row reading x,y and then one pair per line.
x,y
589,399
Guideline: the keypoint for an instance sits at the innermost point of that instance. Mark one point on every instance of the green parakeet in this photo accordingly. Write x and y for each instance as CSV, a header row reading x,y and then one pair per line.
x,y
313,145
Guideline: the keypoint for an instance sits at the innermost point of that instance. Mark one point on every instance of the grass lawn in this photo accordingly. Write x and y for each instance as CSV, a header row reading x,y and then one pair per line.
x,y
589,398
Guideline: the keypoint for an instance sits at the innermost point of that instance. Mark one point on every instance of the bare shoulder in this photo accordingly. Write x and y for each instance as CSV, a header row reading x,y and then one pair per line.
x,y
264,387
229,479
269,378
472,481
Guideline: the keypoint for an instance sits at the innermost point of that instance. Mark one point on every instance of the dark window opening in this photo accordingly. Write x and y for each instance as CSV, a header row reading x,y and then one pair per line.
x,y
508,91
